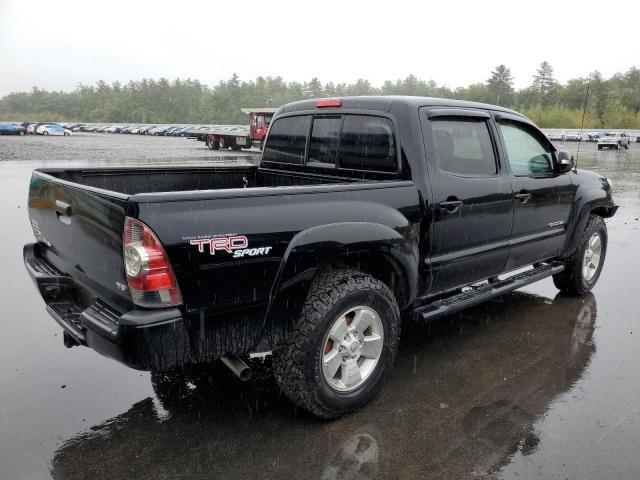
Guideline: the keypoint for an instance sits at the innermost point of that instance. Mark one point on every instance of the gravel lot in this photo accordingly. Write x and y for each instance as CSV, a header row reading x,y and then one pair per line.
x,y
100,148
532,385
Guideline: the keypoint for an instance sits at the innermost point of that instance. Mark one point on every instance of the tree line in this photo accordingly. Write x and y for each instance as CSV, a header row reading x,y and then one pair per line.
x,y
612,102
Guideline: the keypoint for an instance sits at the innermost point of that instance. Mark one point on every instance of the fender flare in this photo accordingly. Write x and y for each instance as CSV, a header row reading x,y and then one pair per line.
x,y
586,202
331,243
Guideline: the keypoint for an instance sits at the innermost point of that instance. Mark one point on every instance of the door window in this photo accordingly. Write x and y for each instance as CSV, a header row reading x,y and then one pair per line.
x,y
463,146
528,154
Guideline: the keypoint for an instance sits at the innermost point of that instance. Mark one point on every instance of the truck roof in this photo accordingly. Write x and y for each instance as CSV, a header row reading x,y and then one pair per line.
x,y
383,102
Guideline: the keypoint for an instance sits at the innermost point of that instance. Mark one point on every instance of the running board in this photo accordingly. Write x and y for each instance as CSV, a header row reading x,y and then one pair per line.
x,y
483,292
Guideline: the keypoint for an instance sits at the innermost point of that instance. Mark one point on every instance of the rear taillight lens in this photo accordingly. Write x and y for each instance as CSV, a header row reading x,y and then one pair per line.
x,y
151,280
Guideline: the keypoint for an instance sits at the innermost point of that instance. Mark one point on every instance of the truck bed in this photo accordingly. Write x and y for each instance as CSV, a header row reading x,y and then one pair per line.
x,y
136,180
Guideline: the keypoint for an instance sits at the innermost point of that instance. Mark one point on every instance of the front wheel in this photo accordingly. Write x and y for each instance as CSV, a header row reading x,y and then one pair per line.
x,y
583,268
344,342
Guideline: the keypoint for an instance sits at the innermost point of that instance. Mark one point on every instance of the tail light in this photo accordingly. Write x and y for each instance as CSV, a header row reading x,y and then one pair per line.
x,y
151,280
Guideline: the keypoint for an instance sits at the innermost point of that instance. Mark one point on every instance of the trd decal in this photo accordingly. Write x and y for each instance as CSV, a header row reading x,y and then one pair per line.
x,y
236,244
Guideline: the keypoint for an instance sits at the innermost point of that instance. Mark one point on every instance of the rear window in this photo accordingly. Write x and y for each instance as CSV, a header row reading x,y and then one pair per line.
x,y
368,143
287,140
354,142
325,141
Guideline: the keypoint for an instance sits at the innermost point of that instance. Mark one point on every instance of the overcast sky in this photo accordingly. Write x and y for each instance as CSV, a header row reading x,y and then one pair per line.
x,y
59,44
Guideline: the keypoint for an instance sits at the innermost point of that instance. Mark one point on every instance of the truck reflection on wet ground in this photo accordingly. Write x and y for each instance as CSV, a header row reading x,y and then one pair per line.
x,y
463,399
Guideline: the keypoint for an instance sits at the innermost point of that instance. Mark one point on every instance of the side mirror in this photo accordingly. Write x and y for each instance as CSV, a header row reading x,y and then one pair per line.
x,y
565,161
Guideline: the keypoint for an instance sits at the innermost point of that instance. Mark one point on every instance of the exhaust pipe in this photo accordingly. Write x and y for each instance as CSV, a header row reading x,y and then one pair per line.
x,y
238,367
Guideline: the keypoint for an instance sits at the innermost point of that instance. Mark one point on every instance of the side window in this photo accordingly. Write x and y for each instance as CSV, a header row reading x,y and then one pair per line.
x,y
528,154
368,143
463,146
287,140
325,137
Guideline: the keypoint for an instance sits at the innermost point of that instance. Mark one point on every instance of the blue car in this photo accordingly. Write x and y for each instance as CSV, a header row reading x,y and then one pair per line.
x,y
12,129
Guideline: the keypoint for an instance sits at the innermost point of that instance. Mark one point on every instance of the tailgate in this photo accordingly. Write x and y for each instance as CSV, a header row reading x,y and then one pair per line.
x,y
82,233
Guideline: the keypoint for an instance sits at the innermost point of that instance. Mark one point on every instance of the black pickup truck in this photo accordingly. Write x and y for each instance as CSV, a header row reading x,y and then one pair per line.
x,y
362,209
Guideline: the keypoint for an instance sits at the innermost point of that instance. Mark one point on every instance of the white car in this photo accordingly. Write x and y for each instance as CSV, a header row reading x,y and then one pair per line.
x,y
615,140
32,128
53,130
573,137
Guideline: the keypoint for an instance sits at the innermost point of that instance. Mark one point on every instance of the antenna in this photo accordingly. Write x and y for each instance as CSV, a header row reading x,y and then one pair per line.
x,y
584,111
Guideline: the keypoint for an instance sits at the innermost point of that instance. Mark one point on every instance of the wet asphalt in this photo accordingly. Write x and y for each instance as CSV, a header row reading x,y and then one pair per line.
x,y
532,385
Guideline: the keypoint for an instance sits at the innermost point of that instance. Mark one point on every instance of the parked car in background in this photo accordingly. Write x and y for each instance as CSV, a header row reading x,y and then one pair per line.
x,y
31,129
53,129
555,137
12,129
146,129
113,129
169,131
615,140
573,137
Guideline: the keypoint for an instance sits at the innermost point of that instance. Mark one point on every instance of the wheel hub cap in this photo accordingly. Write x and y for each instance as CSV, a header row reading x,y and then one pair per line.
x,y
352,348
592,254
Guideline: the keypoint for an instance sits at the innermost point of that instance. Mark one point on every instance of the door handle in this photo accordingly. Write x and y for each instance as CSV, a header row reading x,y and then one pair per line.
x,y
451,205
523,196
63,208
63,212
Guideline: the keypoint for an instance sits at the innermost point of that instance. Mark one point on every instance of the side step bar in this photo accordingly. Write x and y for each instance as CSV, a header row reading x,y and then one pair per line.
x,y
483,292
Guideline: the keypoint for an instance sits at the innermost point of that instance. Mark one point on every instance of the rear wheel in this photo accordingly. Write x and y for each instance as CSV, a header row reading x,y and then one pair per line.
x,y
212,143
583,268
342,345
45,133
21,133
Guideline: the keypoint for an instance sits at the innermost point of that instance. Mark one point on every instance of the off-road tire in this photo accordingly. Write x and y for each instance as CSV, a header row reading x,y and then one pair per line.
x,y
571,280
296,363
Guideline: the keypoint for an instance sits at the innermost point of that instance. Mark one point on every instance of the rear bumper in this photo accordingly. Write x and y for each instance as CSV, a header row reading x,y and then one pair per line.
x,y
141,339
